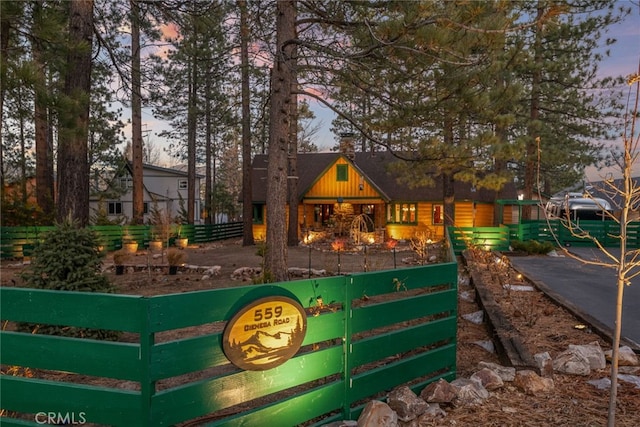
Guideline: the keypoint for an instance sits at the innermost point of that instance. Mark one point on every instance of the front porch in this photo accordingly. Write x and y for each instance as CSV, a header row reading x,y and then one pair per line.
x,y
362,221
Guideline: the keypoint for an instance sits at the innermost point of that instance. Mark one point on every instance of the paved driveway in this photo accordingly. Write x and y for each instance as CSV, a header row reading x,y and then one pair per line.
x,y
587,288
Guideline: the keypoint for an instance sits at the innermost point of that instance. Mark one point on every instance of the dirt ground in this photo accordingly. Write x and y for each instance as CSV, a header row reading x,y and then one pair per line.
x,y
146,272
542,325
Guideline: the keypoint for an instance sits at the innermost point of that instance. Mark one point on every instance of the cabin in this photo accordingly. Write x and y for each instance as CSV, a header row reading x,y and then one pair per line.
x,y
162,187
334,189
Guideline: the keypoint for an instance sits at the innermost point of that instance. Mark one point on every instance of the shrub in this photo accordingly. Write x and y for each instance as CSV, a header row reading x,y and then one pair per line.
x,y
533,247
68,259
176,257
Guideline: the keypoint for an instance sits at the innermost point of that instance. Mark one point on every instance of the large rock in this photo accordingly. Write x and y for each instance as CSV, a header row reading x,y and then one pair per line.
x,y
470,392
477,317
532,384
544,363
343,423
572,362
432,413
594,354
439,392
488,378
626,356
377,414
506,373
406,403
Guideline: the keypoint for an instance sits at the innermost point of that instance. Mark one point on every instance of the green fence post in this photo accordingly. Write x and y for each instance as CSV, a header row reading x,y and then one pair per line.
x,y
348,349
147,384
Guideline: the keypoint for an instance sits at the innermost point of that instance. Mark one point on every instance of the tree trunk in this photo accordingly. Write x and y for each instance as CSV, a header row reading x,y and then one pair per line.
x,y
6,15
191,131
534,113
448,192
44,152
247,202
208,187
279,122
449,198
292,234
73,166
136,118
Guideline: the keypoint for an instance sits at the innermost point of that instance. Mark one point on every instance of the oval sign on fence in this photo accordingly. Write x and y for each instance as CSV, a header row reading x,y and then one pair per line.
x,y
265,333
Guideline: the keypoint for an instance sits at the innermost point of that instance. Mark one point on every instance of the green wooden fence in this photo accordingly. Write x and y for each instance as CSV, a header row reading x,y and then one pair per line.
x,y
606,232
498,238
18,242
366,334
494,238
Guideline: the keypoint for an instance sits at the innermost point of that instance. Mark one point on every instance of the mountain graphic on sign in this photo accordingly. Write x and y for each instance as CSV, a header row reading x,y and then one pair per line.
x,y
266,342
266,348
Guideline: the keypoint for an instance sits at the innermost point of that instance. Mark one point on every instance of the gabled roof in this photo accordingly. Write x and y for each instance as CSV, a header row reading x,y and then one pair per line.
x,y
173,171
374,167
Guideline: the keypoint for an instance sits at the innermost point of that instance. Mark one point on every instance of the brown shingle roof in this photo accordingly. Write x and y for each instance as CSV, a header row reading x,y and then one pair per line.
x,y
375,168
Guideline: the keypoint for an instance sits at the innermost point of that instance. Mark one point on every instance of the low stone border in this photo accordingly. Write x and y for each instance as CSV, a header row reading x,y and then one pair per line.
x,y
508,341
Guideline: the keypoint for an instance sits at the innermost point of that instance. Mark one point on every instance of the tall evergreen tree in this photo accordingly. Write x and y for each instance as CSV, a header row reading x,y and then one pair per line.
x,y
282,80
47,28
247,206
566,113
73,168
136,117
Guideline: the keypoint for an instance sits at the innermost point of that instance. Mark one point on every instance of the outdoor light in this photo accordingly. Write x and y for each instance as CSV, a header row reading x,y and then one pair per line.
x,y
337,245
391,244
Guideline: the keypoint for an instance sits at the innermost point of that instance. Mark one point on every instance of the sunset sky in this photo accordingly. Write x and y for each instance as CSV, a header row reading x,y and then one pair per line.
x,y
623,60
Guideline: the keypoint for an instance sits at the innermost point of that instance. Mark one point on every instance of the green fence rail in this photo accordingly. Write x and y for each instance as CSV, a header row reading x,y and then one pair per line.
x,y
357,327
606,232
493,238
18,242
498,238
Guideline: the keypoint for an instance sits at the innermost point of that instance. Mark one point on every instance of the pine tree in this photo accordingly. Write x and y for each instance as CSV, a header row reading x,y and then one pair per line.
x,y
565,110
73,168
68,259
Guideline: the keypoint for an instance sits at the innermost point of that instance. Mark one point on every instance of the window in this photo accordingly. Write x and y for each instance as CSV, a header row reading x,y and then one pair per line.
x,y
258,214
438,214
182,184
402,213
126,182
342,172
114,208
145,208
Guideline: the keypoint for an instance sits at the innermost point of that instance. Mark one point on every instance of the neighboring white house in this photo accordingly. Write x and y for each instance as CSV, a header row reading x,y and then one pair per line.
x,y
168,187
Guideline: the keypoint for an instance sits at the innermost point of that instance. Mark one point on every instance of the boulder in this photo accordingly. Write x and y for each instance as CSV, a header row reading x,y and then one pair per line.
x,y
544,364
432,413
594,354
477,317
506,373
470,392
532,384
626,356
489,379
572,362
213,271
377,414
406,403
439,392
343,423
